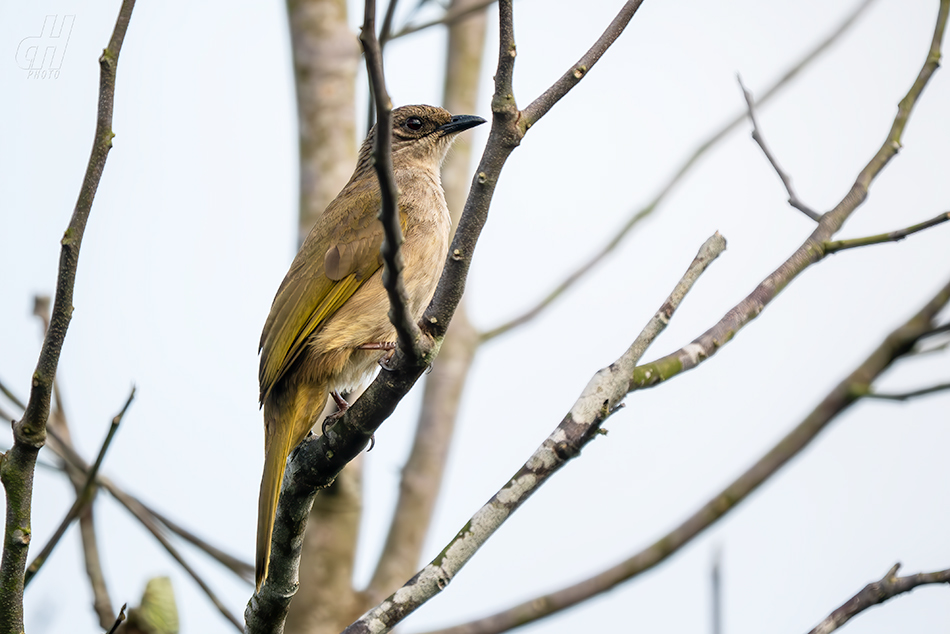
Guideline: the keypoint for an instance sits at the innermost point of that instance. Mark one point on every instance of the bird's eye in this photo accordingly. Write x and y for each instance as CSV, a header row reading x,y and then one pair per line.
x,y
414,123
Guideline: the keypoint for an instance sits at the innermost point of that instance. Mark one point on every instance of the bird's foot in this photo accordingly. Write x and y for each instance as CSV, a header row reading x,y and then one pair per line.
x,y
382,345
342,406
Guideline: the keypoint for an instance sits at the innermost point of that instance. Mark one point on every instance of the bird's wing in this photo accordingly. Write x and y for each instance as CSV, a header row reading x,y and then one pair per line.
x,y
339,255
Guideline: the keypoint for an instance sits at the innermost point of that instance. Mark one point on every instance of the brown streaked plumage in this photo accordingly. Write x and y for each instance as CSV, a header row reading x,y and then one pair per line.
x,y
332,300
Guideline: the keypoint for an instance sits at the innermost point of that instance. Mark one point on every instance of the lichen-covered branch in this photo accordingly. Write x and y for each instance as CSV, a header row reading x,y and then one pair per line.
x,y
18,464
599,399
845,394
422,475
317,461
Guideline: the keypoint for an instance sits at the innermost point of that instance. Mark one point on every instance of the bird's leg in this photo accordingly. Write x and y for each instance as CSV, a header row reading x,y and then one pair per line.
x,y
341,405
378,345
382,345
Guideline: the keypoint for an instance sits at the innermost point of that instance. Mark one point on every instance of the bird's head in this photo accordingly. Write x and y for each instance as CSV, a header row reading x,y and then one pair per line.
x,y
422,134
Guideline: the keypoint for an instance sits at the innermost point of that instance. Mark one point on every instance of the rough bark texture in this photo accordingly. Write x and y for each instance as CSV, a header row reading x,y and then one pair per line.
x,y
326,58
422,475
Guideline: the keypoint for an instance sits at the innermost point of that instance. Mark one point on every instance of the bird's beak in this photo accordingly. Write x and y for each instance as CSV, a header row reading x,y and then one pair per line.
x,y
460,122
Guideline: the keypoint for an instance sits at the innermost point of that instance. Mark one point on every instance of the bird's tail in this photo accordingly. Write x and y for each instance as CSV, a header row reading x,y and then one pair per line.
x,y
277,446
287,421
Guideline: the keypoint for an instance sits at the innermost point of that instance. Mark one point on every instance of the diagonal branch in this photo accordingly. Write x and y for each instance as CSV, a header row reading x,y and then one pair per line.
x,y
422,475
809,253
147,518
540,106
83,499
647,210
316,462
845,394
892,236
878,592
793,198
16,469
906,396
600,398
451,16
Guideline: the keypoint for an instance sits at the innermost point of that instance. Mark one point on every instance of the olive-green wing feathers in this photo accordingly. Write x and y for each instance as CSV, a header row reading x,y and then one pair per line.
x,y
339,255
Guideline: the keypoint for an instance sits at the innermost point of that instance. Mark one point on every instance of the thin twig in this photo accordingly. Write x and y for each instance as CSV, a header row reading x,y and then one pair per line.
x,y
876,593
839,399
11,396
136,508
84,497
893,236
151,519
905,396
540,106
450,17
316,461
242,569
810,252
147,518
647,210
407,332
600,398
16,469
386,30
102,602
119,619
793,198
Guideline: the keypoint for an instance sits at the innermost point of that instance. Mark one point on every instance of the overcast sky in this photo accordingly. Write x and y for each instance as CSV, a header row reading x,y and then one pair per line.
x,y
194,227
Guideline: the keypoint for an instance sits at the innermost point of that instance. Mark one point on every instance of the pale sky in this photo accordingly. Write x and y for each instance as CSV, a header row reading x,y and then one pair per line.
x,y
194,227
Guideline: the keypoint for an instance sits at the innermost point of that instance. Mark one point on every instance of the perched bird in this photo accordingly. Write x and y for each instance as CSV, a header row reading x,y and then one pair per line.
x,y
329,327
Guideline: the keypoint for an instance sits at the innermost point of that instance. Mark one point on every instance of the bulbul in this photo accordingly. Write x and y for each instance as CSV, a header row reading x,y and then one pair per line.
x,y
329,326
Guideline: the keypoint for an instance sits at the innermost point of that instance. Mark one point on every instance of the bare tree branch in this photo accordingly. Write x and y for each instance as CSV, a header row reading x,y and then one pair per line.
x,y
16,469
893,236
793,198
601,397
147,519
407,333
539,107
84,498
326,60
876,593
846,393
906,396
647,210
422,475
11,396
810,252
451,16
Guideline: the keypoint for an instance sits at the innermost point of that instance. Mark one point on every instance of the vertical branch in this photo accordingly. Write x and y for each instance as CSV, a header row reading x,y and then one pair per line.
x,y
407,332
326,59
16,469
422,475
